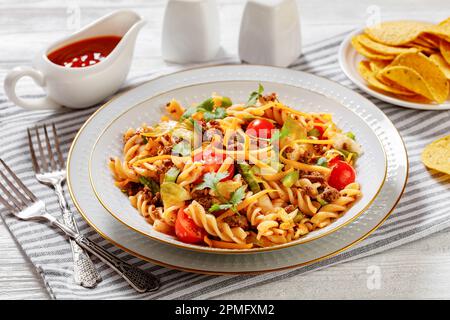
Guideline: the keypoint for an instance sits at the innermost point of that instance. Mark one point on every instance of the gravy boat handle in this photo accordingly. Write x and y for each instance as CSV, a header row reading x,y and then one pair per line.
x,y
33,104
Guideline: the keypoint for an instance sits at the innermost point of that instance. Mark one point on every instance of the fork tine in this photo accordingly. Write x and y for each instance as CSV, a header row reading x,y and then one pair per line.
x,y
49,149
58,149
33,155
7,204
19,182
41,150
14,199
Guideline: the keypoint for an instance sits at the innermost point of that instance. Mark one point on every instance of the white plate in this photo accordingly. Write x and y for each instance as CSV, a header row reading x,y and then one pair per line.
x,y
156,252
349,59
371,165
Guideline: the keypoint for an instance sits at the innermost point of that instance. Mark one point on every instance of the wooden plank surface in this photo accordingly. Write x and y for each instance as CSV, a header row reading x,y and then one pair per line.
x,y
416,270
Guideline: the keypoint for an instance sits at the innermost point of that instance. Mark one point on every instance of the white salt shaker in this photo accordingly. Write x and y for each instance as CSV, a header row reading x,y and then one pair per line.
x,y
270,33
191,31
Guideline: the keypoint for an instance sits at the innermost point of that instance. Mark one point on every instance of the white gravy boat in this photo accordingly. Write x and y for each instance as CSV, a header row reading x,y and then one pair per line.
x,y
81,87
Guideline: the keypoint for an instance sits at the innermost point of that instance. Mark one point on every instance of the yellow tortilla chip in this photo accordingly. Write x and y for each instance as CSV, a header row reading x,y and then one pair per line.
x,y
369,76
445,50
403,91
431,39
445,22
440,61
436,155
433,76
423,43
421,48
377,65
381,48
396,33
442,31
369,53
416,99
408,78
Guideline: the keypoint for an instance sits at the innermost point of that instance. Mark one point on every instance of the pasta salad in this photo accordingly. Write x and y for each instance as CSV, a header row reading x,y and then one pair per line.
x,y
238,175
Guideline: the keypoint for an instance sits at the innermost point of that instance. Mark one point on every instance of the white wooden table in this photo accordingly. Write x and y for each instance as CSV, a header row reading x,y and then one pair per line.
x,y
417,270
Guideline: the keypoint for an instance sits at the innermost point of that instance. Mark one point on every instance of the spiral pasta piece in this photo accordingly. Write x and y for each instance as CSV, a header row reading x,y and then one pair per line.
x,y
191,172
150,212
333,210
218,229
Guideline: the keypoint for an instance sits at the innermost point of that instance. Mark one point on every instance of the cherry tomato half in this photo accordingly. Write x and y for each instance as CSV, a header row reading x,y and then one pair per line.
x,y
334,161
341,175
214,161
321,131
186,229
260,128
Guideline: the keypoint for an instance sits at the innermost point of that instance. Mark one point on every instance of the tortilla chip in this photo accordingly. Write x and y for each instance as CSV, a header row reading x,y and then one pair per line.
x,y
408,78
445,22
366,72
440,31
445,50
433,76
381,48
418,47
377,65
440,61
430,39
369,53
416,99
436,155
423,43
394,86
396,33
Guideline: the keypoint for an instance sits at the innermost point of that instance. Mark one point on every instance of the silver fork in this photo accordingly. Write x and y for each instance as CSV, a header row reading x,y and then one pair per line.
x,y
50,171
21,202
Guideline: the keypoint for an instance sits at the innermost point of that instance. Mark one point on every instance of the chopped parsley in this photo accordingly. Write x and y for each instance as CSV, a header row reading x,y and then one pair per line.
x,y
210,180
254,96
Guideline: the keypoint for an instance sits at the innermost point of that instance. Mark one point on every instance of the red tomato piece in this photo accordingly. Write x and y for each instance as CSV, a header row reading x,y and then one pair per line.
x,y
213,163
260,128
186,230
321,131
342,174
334,161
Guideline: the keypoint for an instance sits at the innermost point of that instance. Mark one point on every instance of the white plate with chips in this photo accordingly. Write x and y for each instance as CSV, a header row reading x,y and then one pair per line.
x,y
141,246
349,59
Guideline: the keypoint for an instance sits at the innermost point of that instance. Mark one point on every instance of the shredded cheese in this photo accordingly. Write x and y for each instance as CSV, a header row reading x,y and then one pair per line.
x,y
153,159
244,204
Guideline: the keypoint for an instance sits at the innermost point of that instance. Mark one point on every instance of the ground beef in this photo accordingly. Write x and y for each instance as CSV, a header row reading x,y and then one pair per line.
x,y
237,221
131,188
309,191
313,177
154,199
162,168
166,150
202,197
268,98
330,194
214,124
290,208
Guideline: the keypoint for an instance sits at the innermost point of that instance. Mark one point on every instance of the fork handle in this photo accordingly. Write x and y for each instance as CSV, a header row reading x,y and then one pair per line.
x,y
85,273
139,279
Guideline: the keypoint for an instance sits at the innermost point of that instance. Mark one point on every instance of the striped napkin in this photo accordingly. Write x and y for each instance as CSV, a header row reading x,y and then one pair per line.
x,y
424,208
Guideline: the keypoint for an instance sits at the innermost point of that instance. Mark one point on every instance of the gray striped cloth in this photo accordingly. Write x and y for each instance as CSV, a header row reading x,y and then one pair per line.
x,y
424,208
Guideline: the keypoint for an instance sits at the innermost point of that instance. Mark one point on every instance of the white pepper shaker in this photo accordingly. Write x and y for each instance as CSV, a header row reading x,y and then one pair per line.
x,y
191,31
270,33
